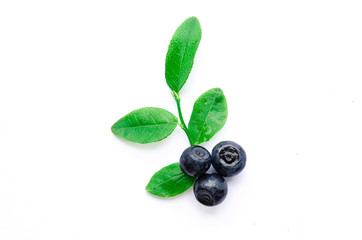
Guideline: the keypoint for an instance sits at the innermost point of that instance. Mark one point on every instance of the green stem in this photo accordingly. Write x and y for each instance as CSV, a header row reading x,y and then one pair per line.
x,y
176,96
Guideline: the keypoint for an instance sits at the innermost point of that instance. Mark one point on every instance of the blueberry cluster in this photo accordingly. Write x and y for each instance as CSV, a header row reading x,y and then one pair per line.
x,y
228,159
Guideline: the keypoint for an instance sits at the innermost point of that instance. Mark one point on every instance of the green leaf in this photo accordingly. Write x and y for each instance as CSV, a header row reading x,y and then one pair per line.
x,y
145,125
169,181
208,116
181,53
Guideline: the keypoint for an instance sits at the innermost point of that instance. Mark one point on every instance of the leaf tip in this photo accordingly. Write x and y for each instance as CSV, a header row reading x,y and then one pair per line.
x,y
113,129
193,18
152,191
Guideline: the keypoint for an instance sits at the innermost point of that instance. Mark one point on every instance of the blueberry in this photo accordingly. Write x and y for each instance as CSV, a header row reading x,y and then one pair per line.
x,y
195,161
228,158
210,189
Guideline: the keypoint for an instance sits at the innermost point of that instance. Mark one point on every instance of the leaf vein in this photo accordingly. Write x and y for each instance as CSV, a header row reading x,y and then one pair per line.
x,y
208,112
149,125
168,180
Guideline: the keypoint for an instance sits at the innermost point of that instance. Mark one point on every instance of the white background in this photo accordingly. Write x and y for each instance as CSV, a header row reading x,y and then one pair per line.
x,y
290,70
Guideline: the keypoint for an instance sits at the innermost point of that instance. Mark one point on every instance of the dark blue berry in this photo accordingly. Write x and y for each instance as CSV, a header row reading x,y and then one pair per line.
x,y
210,189
228,158
195,161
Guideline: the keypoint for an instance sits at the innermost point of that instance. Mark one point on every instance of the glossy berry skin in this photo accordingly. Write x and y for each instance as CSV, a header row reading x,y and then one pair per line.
x,y
210,189
195,161
228,158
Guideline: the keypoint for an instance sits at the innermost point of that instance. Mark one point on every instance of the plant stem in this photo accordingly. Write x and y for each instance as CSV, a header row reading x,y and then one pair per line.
x,y
176,96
